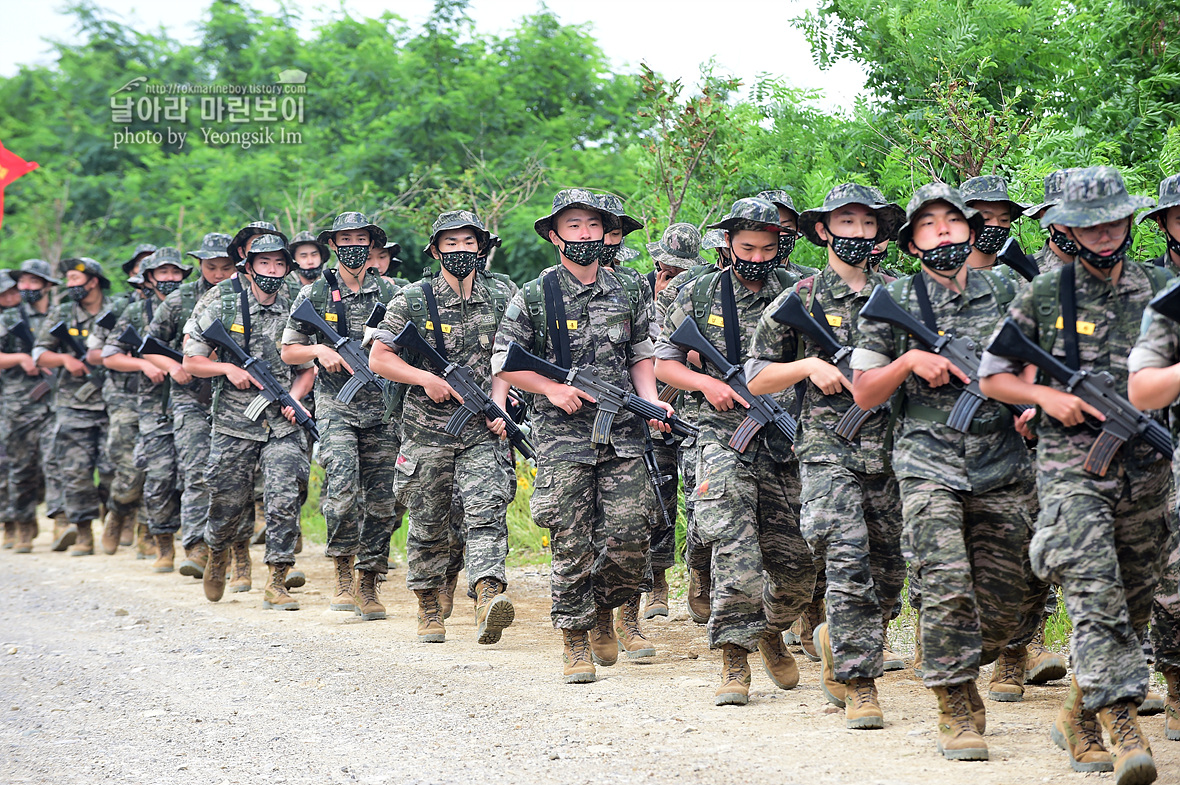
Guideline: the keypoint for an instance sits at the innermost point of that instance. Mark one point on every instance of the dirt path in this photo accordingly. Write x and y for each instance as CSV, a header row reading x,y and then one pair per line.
x,y
110,673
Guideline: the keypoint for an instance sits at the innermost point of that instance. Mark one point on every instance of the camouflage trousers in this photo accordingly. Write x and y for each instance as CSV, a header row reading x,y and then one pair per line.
x,y
663,529
229,474
1165,607
190,438
359,502
155,455
583,505
1101,539
457,538
28,445
5,467
852,522
763,573
968,553
427,480
697,555
127,483
55,494
80,436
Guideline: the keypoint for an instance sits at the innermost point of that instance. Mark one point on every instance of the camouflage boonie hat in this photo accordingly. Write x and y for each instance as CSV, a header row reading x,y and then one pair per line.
x,y
135,281
935,192
354,220
614,205
142,249
991,188
889,215
6,280
85,264
394,249
214,245
39,268
714,238
307,238
626,254
457,219
1169,197
269,243
750,210
564,200
1094,195
163,256
679,247
779,198
1054,186
245,233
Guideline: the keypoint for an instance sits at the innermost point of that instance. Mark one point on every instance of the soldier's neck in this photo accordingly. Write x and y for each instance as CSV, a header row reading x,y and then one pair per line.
x,y
856,277
462,288
1110,276
585,274
92,304
353,280
981,261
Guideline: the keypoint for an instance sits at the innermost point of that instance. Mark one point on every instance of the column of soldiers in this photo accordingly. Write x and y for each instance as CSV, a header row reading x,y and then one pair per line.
x,y
822,442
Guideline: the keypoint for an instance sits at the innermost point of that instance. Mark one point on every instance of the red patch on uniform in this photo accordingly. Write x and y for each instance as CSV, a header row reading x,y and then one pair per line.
x,y
401,459
703,487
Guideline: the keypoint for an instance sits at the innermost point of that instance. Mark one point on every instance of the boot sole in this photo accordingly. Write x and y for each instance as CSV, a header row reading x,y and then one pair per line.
x,y
283,606
813,657
107,550
1005,697
370,616
239,589
579,678
971,753
791,639
1172,734
1059,739
893,665
1045,673
501,614
731,699
659,610
81,553
163,569
343,606
295,580
865,723
649,651
696,617
191,569
604,663
1149,708
22,550
66,540
433,638
1139,769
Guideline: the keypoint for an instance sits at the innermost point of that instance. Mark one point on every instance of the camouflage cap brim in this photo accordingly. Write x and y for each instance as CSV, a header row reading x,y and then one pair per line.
x,y
7,281
1169,198
457,220
542,226
663,255
1114,208
626,254
164,256
377,238
38,268
236,246
142,250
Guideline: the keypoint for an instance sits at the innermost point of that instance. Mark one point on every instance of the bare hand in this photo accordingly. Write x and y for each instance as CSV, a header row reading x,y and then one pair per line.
x,y
74,366
439,390
1023,424
828,378
497,426
660,425
331,360
934,368
240,378
568,399
721,396
1067,409
29,367
180,375
152,372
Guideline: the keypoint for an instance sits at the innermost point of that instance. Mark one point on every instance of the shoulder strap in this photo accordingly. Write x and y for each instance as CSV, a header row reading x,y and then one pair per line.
x,y
245,307
498,286
1047,304
1068,297
338,306
702,296
927,312
534,302
555,313
733,338
1157,274
435,321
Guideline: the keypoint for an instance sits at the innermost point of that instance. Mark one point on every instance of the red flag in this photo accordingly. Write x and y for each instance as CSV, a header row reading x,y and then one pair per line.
x,y
12,166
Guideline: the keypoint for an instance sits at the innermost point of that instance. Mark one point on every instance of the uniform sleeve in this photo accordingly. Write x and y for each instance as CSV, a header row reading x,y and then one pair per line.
x,y
874,346
397,314
112,346
516,326
773,342
678,310
202,317
641,346
296,332
164,320
45,342
1021,311
1158,345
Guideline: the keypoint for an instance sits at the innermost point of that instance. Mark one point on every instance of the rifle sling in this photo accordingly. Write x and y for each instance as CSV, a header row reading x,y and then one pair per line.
x,y
338,306
432,312
1067,293
555,313
245,309
733,338
924,302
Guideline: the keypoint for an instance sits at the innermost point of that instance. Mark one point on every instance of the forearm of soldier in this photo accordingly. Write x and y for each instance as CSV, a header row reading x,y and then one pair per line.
x,y
680,375
48,359
1010,388
304,380
205,368
122,362
530,381
500,392
777,377
1154,388
873,388
384,361
643,376
13,360
94,357
299,353
165,364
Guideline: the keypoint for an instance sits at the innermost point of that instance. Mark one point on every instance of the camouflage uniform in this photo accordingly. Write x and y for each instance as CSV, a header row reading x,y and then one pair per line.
x,y
1099,537
1048,261
780,198
239,446
964,501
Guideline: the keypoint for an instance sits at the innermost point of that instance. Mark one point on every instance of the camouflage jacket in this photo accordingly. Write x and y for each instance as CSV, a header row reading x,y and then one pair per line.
x,y
151,399
603,333
73,392
1108,321
1047,261
368,407
924,449
15,384
167,326
719,426
120,390
1158,346
775,342
468,331
1165,261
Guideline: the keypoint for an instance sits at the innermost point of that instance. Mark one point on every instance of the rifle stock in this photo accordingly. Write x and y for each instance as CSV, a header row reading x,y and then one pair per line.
x,y
153,345
130,337
1015,257
23,333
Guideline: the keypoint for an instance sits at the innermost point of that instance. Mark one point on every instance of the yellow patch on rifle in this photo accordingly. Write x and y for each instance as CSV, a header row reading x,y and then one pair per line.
x,y
716,320
1084,328
237,328
331,317
835,321
571,324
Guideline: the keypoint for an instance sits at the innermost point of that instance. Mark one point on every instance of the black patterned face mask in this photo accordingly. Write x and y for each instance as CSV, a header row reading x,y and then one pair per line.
x,y
786,243
1173,245
992,238
584,253
31,296
77,293
852,250
312,273
610,253
352,256
1096,260
875,259
269,284
753,271
1067,246
459,263
947,258
166,288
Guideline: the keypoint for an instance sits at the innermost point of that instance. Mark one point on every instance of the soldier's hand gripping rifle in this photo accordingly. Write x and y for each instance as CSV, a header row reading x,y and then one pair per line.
x,y
259,370
764,410
70,343
611,399
795,315
348,348
475,400
961,352
24,335
1123,421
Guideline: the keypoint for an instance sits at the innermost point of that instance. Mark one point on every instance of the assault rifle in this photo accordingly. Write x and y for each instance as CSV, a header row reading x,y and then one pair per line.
x,y
153,345
1123,421
348,348
70,342
795,315
764,410
272,391
24,334
1015,257
475,400
653,472
611,399
107,320
961,352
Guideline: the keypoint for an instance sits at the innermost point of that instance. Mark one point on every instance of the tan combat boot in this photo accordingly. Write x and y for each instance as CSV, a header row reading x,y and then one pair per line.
x,y
604,646
862,711
833,690
812,617
575,657
9,535
978,709
1043,665
344,599
166,548
195,559
127,534
632,641
65,534
275,595
1133,764
214,579
918,642
430,620
735,677
368,607
494,612
84,545
145,544
446,595
294,578
1007,684
1076,731
25,534
657,598
890,660
958,738
1172,715
240,580
699,602
778,663
112,533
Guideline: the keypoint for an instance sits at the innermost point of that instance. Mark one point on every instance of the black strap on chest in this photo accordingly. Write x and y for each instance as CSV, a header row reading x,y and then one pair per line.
x,y
555,313
817,309
338,306
733,336
245,308
1068,295
924,307
432,312
148,310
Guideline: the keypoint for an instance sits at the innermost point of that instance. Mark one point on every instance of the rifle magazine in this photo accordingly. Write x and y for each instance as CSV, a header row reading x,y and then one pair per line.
x,y
1102,452
852,421
963,412
256,408
603,422
744,433
458,421
349,390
